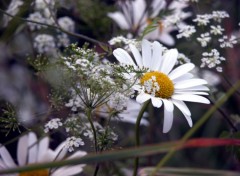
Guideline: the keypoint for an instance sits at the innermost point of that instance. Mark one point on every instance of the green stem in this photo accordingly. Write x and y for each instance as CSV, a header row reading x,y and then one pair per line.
x,y
199,123
137,134
89,116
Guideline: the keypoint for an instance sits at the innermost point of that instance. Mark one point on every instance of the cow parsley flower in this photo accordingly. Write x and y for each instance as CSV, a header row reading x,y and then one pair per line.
x,y
72,142
186,31
202,20
44,43
52,124
212,59
161,83
226,42
219,15
216,30
204,39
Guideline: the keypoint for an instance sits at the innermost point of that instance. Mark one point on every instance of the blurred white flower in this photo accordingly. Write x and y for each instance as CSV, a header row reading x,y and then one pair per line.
x,y
162,84
212,59
31,151
44,43
135,18
72,142
204,39
37,17
216,30
186,31
52,124
219,15
66,23
226,42
202,20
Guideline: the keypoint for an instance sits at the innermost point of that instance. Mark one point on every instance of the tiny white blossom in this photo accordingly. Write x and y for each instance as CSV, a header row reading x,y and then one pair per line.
x,y
66,23
186,31
72,142
212,59
52,124
63,40
44,43
118,101
36,16
226,42
204,39
219,15
125,41
216,30
202,20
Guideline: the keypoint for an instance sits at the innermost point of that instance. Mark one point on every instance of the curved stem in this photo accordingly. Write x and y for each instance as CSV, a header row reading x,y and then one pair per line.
x,y
89,116
137,134
199,123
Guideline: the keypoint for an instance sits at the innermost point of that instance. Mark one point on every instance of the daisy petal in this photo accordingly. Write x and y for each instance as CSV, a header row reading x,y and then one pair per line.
x,y
67,171
189,120
156,102
195,88
22,150
169,60
6,157
146,53
189,83
186,76
191,98
141,98
166,38
181,70
32,146
136,55
43,147
123,57
168,116
190,92
182,107
119,19
157,56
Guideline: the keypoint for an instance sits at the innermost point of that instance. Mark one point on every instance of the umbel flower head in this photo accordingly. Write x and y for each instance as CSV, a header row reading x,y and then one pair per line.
x,y
162,84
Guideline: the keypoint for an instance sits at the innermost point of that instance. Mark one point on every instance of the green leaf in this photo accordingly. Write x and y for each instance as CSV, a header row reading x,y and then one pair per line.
x,y
168,171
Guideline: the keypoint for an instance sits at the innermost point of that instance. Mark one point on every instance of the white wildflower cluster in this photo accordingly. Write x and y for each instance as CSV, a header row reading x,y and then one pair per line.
x,y
44,13
204,39
73,125
227,42
13,9
202,20
118,101
52,124
73,142
216,30
186,31
151,86
212,59
218,16
44,43
120,40
66,23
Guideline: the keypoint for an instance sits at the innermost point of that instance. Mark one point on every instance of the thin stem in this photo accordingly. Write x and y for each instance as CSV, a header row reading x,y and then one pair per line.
x,y
89,116
137,134
200,122
225,117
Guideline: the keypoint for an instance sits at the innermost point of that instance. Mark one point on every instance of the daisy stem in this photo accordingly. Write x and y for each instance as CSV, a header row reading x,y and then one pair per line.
x,y
199,123
137,134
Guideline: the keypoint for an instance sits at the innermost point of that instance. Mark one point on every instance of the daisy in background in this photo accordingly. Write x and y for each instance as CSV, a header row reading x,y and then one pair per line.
x,y
135,16
31,151
162,84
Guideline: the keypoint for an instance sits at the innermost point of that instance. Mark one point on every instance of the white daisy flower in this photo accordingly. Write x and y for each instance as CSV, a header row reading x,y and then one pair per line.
x,y
31,151
162,84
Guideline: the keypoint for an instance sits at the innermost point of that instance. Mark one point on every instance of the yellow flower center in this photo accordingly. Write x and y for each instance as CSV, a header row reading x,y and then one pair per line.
x,y
43,172
157,84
